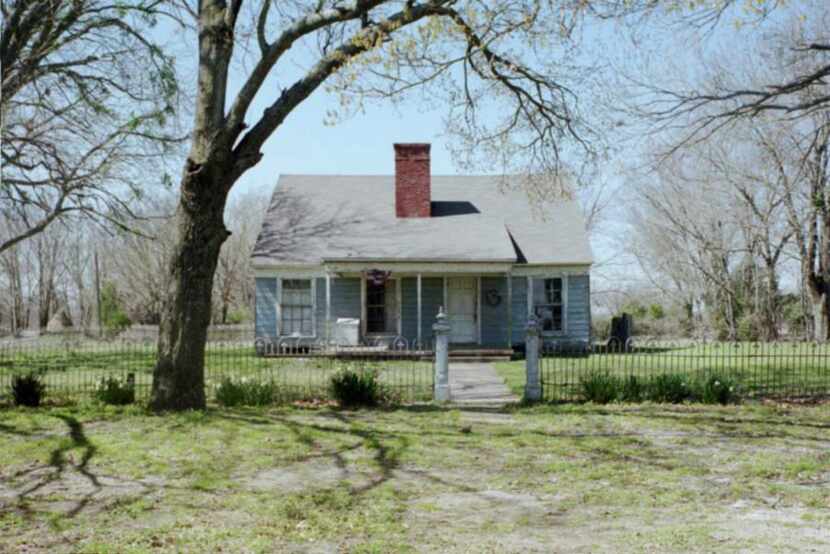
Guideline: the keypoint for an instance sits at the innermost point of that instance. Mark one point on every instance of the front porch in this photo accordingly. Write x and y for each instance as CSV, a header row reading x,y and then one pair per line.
x,y
356,309
397,310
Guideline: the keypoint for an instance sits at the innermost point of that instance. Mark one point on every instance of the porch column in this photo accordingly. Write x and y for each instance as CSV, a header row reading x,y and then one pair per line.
x,y
418,289
441,331
328,307
362,307
509,310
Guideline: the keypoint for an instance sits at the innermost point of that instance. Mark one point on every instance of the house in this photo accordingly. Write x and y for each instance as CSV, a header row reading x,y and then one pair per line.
x,y
387,252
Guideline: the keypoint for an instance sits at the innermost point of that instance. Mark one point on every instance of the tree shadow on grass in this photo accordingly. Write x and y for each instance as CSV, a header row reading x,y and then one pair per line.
x,y
386,447
60,462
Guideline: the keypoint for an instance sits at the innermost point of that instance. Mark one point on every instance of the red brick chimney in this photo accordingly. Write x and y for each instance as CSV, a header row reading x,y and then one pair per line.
x,y
412,180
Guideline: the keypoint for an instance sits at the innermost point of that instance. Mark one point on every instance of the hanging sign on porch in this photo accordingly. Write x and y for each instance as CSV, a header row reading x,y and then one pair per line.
x,y
378,277
493,297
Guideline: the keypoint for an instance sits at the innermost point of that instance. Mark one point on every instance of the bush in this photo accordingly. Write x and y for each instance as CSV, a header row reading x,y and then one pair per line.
x,y
112,390
603,388
354,388
600,388
27,390
718,389
246,392
669,387
632,390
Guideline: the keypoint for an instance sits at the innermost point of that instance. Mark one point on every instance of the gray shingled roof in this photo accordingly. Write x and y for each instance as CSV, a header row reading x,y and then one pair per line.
x,y
316,218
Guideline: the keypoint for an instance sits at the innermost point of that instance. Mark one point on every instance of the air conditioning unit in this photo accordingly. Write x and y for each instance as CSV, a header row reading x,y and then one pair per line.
x,y
347,331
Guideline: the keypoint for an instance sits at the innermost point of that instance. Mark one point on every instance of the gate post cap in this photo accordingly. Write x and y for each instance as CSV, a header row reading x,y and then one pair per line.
x,y
442,323
532,326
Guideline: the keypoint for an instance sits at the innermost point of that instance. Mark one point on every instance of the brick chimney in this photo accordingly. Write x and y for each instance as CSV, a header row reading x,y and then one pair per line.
x,y
412,180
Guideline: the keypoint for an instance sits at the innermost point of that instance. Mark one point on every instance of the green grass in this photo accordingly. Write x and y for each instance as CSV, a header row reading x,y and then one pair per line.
x,y
68,372
547,478
760,368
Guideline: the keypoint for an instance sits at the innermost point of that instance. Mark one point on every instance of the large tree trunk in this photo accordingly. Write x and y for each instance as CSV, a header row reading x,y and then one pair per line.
x,y
821,315
178,378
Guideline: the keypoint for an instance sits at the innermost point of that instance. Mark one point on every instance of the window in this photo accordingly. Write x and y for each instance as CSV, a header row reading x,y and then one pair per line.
x,y
381,307
296,307
548,305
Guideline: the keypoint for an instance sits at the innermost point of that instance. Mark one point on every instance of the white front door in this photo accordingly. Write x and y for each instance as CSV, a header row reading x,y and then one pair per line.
x,y
461,308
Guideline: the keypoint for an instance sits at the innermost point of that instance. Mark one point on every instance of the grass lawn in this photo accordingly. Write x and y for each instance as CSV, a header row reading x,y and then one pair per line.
x,y
633,478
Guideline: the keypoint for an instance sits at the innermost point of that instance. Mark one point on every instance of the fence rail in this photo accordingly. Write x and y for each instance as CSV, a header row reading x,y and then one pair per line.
x,y
773,369
72,369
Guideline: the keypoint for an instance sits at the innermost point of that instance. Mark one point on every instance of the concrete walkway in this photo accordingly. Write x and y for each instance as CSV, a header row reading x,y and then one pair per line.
x,y
478,383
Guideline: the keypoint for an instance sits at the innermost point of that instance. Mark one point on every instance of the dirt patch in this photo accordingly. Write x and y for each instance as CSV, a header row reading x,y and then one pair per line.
x,y
71,491
308,475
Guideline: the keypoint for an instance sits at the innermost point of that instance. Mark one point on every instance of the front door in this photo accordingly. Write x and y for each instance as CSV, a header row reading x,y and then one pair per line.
x,y
461,308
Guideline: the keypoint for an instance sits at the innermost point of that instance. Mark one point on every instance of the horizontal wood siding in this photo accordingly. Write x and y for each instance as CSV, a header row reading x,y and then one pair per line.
x,y
409,308
320,308
579,308
265,315
494,318
519,309
432,298
345,298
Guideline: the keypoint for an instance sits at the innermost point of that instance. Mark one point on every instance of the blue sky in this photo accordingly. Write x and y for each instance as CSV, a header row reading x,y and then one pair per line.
x,y
359,145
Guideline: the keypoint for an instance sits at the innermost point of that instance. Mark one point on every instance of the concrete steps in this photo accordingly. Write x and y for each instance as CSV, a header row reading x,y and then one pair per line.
x,y
482,355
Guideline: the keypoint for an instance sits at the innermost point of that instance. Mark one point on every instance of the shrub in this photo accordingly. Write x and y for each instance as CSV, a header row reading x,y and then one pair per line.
x,y
600,388
669,387
112,390
356,387
27,390
246,392
718,389
631,389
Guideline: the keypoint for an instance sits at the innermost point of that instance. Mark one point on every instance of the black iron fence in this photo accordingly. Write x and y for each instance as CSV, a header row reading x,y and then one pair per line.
x,y
770,370
77,368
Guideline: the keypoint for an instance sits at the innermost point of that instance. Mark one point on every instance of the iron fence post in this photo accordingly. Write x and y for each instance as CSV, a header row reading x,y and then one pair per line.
x,y
533,388
441,331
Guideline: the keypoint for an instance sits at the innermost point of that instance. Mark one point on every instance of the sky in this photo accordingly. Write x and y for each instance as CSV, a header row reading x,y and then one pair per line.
x,y
359,145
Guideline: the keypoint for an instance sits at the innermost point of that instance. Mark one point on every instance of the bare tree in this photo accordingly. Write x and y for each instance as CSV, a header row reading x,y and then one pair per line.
x,y
87,107
786,76
802,162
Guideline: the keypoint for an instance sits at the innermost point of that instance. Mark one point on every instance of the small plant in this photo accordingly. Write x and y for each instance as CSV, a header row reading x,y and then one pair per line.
x,y
27,390
669,387
718,389
600,388
632,389
246,392
112,390
354,388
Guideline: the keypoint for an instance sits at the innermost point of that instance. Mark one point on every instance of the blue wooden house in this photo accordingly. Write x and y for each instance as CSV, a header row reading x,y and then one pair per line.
x,y
383,254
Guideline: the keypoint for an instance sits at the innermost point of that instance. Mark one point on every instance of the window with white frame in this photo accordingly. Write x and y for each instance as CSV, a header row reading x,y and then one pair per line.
x,y
296,307
548,304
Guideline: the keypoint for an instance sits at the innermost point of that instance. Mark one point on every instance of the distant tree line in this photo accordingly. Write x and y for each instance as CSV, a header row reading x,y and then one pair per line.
x,y
80,272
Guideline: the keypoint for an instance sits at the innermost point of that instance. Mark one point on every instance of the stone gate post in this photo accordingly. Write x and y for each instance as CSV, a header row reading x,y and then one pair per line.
x,y
441,331
533,388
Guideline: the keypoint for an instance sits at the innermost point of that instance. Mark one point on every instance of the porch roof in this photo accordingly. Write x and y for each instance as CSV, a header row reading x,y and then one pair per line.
x,y
317,218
